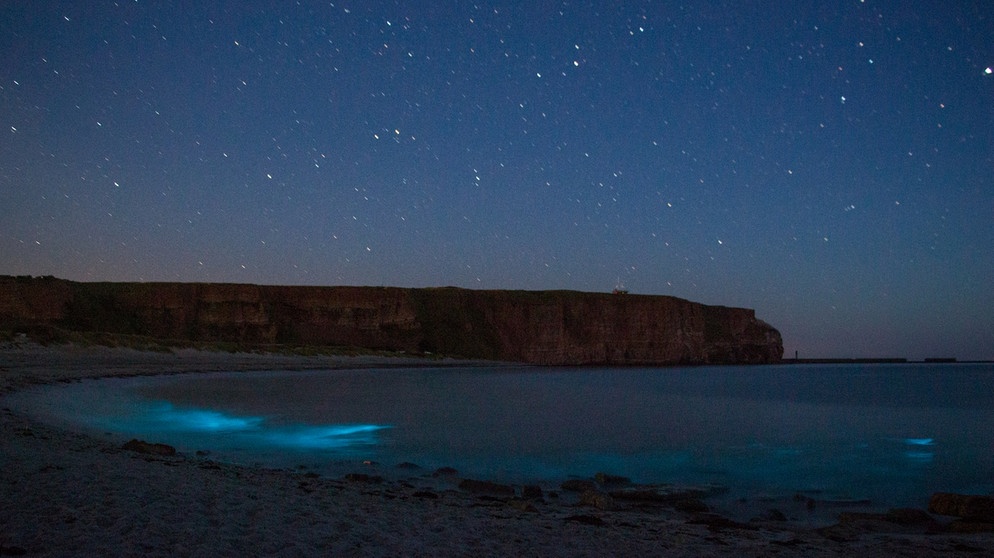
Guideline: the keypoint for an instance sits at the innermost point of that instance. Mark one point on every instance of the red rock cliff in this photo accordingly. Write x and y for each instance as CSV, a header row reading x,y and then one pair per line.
x,y
543,327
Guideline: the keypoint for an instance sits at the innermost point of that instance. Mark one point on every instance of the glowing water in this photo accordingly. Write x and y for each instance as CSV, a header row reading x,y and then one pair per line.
x,y
162,419
892,434
162,416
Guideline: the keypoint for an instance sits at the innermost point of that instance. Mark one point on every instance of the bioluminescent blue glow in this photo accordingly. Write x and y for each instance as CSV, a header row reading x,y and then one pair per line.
x,y
891,434
325,437
184,426
165,416
921,449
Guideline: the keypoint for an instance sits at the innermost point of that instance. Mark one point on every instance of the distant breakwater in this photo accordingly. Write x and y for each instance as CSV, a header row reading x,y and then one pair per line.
x,y
540,327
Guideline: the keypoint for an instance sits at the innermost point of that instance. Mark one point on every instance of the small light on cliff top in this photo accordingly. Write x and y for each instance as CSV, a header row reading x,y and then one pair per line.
x,y
988,71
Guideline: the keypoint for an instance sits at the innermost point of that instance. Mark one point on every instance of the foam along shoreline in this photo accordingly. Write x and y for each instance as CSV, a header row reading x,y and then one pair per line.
x,y
65,492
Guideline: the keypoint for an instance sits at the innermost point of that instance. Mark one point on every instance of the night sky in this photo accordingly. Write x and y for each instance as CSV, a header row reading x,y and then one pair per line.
x,y
830,164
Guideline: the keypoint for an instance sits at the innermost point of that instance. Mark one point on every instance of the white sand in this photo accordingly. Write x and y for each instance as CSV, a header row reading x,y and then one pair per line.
x,y
69,494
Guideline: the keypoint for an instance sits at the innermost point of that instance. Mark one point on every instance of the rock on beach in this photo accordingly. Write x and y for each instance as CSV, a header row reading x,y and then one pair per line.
x,y
141,446
965,506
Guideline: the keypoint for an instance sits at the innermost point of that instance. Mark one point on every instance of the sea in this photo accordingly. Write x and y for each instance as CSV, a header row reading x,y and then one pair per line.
x,y
881,435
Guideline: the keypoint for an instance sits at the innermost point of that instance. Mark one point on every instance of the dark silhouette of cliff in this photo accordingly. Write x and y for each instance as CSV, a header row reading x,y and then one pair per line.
x,y
542,327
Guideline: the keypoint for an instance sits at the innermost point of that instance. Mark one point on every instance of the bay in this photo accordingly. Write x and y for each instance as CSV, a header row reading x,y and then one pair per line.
x,y
890,434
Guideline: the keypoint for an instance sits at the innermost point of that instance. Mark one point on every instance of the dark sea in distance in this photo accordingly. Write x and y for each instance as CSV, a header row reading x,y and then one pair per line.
x,y
888,433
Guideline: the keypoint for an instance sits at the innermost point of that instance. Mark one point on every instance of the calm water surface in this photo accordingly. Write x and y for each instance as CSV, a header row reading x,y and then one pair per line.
x,y
889,433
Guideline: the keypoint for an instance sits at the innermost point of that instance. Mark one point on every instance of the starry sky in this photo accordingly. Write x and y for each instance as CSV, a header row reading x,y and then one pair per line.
x,y
830,164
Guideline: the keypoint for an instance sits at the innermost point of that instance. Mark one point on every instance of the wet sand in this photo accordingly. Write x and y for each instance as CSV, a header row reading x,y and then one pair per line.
x,y
64,493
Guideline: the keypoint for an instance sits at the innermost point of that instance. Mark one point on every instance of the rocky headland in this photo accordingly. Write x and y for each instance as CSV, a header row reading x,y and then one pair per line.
x,y
539,327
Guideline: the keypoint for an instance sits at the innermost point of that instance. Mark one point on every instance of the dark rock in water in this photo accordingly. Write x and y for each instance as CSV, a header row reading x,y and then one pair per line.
x,y
586,519
445,472
607,480
643,495
578,485
364,478
847,502
408,466
486,487
531,492
140,446
966,506
909,516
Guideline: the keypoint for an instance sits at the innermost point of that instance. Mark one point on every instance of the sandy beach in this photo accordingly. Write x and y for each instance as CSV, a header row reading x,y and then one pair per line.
x,y
68,494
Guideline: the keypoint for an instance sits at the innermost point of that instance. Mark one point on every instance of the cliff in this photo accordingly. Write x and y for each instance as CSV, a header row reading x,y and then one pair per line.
x,y
542,327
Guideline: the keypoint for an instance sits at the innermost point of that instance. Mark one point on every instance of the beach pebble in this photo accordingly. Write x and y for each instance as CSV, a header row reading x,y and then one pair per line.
x,y
140,446
364,478
597,499
486,487
586,519
690,505
426,494
522,505
965,526
445,472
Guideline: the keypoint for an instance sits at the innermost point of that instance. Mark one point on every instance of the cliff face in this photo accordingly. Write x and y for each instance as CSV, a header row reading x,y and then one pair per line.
x,y
543,327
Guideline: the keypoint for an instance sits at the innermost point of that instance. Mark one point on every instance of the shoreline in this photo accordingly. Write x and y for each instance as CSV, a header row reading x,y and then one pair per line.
x,y
69,493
